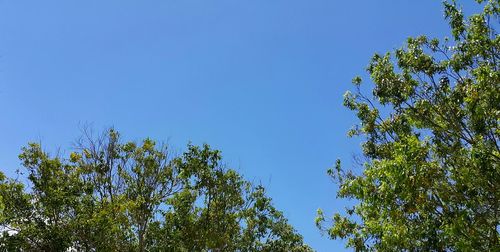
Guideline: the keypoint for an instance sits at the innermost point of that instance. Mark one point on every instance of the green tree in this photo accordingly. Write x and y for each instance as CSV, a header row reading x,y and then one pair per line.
x,y
218,210
15,203
104,208
42,218
110,195
432,178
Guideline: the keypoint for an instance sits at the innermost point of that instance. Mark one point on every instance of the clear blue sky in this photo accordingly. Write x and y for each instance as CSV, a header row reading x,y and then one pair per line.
x,y
262,80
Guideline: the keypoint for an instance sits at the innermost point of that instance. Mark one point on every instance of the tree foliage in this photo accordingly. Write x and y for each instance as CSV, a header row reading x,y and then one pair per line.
x,y
110,195
431,181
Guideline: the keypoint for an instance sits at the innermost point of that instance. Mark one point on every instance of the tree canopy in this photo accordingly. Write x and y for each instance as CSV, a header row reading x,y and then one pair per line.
x,y
110,195
431,180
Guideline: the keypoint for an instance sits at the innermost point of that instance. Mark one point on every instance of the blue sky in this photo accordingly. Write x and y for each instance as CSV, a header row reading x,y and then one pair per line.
x,y
261,80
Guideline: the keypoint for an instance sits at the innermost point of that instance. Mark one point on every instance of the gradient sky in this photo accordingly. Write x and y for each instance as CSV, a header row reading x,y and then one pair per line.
x,y
261,80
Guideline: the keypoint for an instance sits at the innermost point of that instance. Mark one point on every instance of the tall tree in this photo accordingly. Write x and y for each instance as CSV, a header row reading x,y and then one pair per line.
x,y
432,177
110,195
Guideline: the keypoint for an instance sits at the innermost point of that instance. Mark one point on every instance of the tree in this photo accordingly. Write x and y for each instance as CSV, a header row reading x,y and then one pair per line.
x,y
432,178
110,195
233,215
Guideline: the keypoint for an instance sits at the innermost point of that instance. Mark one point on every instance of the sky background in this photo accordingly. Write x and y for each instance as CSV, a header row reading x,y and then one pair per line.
x,y
261,80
